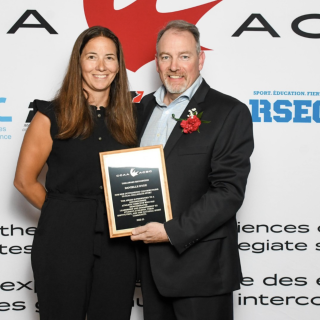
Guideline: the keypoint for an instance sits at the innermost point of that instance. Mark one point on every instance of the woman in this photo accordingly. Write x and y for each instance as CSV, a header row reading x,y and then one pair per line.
x,y
78,269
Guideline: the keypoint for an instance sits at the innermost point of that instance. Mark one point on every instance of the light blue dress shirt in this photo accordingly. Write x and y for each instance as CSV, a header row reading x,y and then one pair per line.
x,y
161,123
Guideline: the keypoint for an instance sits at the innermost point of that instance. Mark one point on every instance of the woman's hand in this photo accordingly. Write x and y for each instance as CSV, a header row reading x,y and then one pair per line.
x,y
35,150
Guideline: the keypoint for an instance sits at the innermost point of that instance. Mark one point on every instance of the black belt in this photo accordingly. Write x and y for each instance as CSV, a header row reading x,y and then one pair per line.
x,y
100,212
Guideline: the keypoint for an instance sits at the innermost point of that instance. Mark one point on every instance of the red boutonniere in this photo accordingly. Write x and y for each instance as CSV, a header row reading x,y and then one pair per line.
x,y
192,123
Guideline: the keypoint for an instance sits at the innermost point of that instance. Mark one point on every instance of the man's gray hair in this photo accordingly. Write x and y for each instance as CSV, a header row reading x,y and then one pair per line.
x,y
181,25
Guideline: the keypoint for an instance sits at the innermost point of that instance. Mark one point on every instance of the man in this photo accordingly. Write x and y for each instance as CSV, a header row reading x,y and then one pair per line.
x,y
190,265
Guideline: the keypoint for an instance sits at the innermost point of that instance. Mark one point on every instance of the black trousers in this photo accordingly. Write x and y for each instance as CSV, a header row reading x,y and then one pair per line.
x,y
158,307
71,281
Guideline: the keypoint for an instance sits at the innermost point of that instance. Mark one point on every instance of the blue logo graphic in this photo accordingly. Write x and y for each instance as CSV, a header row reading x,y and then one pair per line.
x,y
299,111
4,119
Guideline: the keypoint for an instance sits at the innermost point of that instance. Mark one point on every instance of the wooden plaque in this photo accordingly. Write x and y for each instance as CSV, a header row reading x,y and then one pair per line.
x,y
135,187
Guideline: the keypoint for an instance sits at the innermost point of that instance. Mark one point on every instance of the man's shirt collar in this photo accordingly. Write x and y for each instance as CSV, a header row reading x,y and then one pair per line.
x,y
188,94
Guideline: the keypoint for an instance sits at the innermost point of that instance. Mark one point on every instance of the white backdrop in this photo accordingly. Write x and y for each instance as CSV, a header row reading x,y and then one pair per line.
x,y
277,77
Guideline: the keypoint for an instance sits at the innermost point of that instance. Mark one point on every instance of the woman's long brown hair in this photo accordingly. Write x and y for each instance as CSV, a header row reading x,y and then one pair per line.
x,y
74,115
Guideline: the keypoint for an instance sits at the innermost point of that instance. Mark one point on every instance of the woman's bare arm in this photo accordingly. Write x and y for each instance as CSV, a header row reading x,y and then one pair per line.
x,y
35,150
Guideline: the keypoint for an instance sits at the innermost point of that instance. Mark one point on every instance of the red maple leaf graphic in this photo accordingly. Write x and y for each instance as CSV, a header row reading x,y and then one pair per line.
x,y
137,25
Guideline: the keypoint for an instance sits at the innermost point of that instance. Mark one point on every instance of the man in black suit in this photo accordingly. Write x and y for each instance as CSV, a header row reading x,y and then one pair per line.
x,y
190,265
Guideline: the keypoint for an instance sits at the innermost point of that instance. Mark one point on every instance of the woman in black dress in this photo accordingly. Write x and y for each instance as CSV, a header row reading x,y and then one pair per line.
x,y
79,271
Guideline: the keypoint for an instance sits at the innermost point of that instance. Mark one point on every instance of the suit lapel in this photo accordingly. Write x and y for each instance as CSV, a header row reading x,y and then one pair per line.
x,y
146,116
195,102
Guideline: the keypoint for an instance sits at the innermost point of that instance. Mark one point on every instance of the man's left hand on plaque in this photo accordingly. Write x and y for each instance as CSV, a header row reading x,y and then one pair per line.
x,y
152,232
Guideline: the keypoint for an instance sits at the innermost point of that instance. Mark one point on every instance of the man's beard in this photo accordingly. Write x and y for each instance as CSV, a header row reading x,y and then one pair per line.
x,y
175,88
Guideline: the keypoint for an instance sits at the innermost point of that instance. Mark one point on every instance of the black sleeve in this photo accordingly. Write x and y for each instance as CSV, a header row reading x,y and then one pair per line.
x,y
47,108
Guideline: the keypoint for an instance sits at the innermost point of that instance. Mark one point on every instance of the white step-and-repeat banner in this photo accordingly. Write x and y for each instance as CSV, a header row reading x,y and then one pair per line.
x,y
263,52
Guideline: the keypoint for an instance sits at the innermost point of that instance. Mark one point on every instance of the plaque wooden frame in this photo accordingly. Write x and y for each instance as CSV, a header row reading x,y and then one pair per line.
x,y
152,156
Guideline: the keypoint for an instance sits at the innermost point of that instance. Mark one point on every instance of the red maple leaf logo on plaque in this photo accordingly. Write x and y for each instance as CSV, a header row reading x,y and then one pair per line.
x,y
137,25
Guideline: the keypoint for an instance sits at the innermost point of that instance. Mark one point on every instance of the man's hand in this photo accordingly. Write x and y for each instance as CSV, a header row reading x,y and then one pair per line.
x,y
152,232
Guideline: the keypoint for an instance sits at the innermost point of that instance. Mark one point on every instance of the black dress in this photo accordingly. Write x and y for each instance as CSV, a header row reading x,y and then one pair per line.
x,y
78,269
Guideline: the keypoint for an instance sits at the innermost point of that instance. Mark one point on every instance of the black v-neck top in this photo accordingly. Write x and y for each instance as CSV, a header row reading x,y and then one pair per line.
x,y
74,164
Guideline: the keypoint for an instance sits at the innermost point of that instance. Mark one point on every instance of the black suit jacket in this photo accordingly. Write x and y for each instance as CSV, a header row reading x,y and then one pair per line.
x,y
207,174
